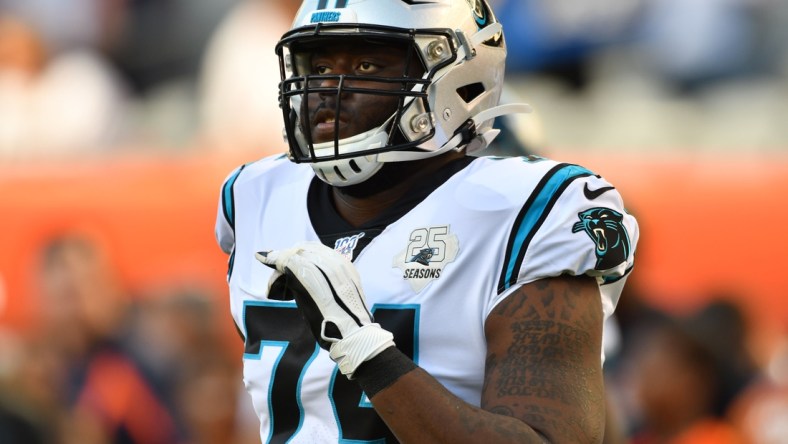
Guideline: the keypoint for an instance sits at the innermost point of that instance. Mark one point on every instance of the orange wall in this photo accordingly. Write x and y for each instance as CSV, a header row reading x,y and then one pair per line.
x,y
708,221
155,215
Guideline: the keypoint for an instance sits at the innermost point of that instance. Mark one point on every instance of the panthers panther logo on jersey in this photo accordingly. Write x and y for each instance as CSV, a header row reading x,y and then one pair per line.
x,y
424,256
604,226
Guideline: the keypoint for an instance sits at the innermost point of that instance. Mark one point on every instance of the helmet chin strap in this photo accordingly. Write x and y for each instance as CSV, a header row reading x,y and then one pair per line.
x,y
480,142
483,140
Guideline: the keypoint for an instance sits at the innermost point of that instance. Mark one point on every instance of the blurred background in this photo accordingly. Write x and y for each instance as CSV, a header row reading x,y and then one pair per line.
x,y
119,120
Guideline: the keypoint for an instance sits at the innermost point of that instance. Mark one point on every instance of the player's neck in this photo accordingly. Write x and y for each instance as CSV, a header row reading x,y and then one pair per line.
x,y
358,210
363,202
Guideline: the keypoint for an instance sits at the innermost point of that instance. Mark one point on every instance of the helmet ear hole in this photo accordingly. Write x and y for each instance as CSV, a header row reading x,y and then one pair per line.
x,y
469,92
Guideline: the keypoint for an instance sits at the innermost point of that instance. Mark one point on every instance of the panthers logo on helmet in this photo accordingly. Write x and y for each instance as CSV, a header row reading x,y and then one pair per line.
x,y
479,12
604,226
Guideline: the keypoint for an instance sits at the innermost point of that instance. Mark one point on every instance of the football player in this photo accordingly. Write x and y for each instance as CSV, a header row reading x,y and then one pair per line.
x,y
391,284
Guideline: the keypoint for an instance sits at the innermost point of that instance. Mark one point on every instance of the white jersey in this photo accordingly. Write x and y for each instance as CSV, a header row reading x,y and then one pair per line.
x,y
431,276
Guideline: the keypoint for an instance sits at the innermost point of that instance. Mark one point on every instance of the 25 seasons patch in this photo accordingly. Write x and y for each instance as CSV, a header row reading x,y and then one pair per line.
x,y
427,253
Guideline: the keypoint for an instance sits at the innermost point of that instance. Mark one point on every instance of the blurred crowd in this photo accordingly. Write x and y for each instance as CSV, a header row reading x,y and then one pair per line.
x,y
98,76
100,365
667,75
85,78
696,377
88,77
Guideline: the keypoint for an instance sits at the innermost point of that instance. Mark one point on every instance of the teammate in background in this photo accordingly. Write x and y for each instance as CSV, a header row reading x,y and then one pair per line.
x,y
488,278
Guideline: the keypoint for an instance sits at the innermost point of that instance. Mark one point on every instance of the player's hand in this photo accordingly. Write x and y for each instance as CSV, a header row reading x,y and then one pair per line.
x,y
327,290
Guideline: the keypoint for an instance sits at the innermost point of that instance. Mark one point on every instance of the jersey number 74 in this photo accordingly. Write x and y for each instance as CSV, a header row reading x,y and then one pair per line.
x,y
279,324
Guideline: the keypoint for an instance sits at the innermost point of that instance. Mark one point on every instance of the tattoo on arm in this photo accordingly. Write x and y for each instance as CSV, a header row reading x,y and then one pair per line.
x,y
549,376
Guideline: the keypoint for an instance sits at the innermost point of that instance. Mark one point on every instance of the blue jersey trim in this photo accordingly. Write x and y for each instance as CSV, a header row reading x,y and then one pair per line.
x,y
533,214
228,199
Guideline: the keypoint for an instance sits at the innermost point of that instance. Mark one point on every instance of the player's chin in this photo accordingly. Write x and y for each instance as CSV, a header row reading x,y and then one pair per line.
x,y
324,132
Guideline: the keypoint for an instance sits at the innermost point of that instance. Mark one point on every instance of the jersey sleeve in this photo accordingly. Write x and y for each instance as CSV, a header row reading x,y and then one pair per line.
x,y
587,231
225,215
577,227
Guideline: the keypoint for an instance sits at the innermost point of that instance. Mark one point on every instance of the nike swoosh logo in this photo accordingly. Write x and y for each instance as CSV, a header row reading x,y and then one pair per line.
x,y
593,194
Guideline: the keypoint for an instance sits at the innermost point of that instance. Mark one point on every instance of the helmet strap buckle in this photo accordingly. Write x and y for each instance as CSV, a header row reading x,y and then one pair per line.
x,y
467,131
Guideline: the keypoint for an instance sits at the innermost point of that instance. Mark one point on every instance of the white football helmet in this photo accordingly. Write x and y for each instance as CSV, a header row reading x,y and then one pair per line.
x,y
460,47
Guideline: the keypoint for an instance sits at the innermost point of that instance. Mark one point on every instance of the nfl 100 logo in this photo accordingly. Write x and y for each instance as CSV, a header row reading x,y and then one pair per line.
x,y
346,245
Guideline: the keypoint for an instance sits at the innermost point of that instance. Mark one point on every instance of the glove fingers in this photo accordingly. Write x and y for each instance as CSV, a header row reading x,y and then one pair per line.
x,y
336,266
325,286
299,279
327,290
344,288
316,253
277,288
267,258
341,277
277,259
308,308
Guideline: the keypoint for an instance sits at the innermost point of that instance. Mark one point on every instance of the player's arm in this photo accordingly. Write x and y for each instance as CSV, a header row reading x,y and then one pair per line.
x,y
543,379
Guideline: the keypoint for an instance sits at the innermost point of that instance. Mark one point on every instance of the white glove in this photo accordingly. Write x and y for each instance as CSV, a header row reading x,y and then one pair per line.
x,y
327,291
